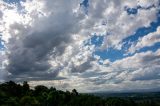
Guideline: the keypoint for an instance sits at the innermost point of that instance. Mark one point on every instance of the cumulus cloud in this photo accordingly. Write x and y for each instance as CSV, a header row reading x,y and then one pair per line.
x,y
130,73
3,63
45,40
141,66
148,40
119,25
46,35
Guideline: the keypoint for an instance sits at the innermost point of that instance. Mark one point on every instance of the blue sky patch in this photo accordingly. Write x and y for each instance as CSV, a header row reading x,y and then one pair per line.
x,y
85,5
111,54
97,40
131,11
150,48
1,44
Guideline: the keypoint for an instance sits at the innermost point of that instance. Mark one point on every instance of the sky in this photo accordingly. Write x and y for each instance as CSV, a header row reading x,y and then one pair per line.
x,y
89,45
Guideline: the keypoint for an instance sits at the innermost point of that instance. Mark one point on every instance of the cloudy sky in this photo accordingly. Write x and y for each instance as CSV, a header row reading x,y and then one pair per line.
x,y
90,45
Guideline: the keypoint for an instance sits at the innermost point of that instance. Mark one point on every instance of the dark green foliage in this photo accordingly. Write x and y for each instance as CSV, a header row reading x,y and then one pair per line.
x,y
29,101
119,102
74,92
12,94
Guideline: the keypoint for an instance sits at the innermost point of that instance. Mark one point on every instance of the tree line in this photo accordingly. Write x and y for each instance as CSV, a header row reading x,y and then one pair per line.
x,y
13,94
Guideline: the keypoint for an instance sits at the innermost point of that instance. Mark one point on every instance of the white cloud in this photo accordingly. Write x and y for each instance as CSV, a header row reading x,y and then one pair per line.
x,y
148,40
140,71
3,63
45,41
119,24
141,66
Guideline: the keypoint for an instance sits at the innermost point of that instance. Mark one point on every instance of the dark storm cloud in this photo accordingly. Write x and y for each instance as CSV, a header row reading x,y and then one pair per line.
x,y
33,55
87,65
36,76
30,51
81,68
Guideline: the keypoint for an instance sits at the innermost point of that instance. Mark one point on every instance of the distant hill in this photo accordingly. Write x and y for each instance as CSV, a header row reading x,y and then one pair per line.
x,y
128,94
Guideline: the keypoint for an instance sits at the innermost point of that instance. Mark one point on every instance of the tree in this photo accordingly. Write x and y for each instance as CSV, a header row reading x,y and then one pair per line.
x,y
12,101
26,86
42,96
74,92
29,101
39,89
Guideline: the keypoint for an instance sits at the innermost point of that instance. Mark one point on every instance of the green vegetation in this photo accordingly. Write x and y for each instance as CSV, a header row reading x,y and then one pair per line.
x,y
12,94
